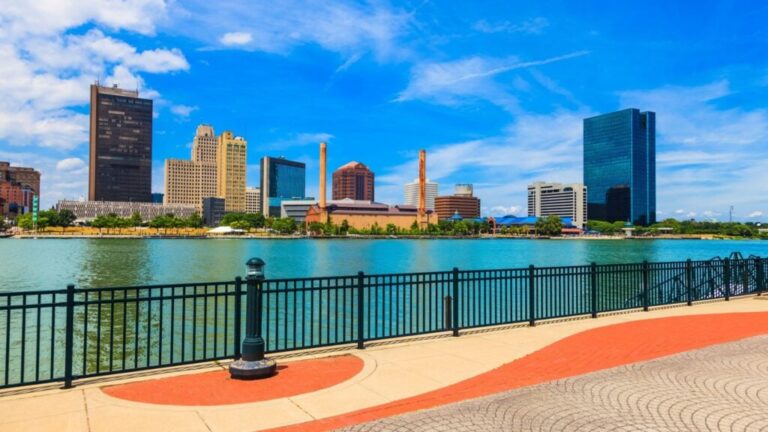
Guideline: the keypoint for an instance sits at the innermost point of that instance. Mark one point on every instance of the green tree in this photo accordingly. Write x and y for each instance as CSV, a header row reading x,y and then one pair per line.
x,y
284,225
392,229
315,228
549,226
135,219
415,228
344,227
376,229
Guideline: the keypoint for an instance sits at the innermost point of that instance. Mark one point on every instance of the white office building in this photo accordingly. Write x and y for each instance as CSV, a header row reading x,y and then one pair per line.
x,y
412,194
252,200
564,200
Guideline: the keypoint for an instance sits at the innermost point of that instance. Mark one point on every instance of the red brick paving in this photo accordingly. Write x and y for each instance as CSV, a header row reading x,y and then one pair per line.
x,y
585,352
217,388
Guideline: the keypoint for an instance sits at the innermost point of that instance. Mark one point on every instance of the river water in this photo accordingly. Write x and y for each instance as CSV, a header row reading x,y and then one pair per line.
x,y
35,264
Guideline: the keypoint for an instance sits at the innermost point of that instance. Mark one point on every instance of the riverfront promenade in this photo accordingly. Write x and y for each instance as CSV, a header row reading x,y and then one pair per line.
x,y
689,368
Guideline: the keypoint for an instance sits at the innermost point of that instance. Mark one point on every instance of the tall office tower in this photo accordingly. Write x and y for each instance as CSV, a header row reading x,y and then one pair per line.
x,y
281,179
120,166
564,200
230,171
620,166
252,200
204,151
412,194
189,181
353,180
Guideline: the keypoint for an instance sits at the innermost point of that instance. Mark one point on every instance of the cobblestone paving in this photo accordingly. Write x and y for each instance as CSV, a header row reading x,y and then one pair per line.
x,y
720,388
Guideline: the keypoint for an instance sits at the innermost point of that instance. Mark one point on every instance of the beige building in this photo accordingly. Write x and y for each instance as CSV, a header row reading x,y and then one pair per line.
x,y
252,200
230,171
189,181
412,194
564,200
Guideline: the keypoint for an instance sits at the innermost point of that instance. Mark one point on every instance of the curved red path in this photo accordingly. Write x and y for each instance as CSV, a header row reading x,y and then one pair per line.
x,y
585,352
217,388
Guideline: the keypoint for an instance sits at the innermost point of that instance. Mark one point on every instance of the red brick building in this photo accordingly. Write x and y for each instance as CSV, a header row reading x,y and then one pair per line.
x,y
354,181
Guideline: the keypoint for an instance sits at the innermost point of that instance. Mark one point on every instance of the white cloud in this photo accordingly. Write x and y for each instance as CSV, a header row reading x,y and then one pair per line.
x,y
49,17
708,154
534,147
343,27
468,79
755,214
298,140
70,164
531,26
236,38
503,211
46,72
183,110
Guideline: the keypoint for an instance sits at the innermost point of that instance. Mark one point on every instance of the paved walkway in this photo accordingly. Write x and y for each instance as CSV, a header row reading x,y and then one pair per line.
x,y
396,378
721,388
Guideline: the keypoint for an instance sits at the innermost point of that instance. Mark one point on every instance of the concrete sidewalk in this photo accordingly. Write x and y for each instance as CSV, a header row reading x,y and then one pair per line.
x,y
392,371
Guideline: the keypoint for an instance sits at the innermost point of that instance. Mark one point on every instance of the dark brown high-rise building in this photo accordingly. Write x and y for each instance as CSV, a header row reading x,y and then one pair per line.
x,y
353,180
120,146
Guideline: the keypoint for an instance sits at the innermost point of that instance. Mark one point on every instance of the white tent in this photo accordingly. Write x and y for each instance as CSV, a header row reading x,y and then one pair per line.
x,y
225,230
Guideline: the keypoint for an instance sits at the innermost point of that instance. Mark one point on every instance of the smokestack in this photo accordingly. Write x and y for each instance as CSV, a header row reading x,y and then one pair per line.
x,y
322,175
422,183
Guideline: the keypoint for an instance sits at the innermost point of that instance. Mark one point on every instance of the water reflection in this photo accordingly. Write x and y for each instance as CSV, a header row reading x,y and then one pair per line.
x,y
51,264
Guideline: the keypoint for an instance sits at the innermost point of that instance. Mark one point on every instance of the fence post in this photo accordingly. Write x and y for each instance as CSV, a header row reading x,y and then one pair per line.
x,y
455,304
760,275
531,297
360,311
69,336
646,290
593,284
689,280
238,316
727,278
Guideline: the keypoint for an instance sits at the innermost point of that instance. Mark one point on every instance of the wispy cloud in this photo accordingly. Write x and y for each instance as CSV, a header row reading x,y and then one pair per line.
x,y
183,111
533,147
297,140
459,81
531,26
343,27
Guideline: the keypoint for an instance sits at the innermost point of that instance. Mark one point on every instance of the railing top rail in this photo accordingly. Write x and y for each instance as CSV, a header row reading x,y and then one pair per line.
x,y
158,286
31,293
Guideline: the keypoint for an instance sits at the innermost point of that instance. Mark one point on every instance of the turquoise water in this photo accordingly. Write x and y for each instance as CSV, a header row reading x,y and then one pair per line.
x,y
27,264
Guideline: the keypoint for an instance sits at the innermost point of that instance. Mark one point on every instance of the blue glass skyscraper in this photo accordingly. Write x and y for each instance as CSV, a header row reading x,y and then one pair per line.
x,y
620,166
281,179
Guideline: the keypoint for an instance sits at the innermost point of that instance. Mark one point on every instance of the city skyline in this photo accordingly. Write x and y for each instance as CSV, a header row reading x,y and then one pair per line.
x,y
495,94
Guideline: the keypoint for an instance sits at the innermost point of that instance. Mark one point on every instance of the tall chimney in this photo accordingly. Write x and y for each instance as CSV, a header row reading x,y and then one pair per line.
x,y
322,176
422,183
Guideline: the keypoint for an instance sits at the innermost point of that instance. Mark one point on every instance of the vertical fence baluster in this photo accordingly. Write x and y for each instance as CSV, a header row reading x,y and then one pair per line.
x,y
646,289
689,281
238,315
727,278
360,311
69,336
531,297
759,275
456,303
593,287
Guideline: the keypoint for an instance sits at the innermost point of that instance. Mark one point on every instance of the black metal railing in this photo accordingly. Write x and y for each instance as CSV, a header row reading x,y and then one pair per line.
x,y
63,335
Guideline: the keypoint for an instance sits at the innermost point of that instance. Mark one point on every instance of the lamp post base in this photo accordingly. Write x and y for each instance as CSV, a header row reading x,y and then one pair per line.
x,y
254,369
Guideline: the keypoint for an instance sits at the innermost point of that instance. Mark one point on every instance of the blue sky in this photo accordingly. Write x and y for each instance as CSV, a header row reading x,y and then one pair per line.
x,y
494,91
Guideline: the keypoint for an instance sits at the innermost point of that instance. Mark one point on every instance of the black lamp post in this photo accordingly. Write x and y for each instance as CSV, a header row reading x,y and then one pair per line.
x,y
252,364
